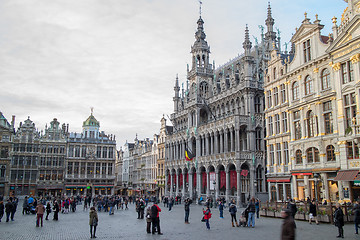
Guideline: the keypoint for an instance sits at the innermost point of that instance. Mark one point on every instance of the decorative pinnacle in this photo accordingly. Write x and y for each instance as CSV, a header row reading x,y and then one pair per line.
x,y
334,20
269,10
305,15
316,16
92,110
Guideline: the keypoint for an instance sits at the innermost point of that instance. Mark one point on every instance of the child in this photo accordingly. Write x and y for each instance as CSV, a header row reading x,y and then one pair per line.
x,y
207,216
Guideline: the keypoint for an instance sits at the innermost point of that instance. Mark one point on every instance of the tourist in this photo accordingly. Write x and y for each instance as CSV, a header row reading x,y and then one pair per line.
x,y
14,203
339,220
25,206
288,226
187,209
251,209
257,207
207,216
221,209
155,218
8,209
148,219
48,211
56,209
40,209
233,210
93,222
312,212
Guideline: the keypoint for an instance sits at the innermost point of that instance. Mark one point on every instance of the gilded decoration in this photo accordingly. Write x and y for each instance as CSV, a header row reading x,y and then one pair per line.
x,y
316,70
299,77
355,58
336,66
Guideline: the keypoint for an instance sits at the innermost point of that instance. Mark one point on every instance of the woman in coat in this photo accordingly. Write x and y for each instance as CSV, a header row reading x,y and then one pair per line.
x,y
312,212
233,210
339,220
48,211
56,210
93,221
148,219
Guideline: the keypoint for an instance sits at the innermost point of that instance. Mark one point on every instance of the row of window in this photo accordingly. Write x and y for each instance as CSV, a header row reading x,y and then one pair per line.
x,y
277,151
80,151
89,168
23,175
312,155
52,161
51,175
22,147
274,124
24,160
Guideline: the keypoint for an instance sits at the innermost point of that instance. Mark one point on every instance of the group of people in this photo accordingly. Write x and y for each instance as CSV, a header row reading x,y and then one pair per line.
x,y
9,208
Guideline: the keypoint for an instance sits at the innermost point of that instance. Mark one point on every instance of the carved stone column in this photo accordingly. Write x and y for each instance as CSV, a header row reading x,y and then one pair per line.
x,y
227,192
207,183
238,189
217,184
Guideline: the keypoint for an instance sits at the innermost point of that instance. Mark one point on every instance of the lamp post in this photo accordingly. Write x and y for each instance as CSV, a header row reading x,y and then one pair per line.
x,y
255,188
316,179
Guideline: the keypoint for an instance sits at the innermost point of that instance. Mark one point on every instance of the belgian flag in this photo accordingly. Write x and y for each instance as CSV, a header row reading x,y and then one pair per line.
x,y
189,156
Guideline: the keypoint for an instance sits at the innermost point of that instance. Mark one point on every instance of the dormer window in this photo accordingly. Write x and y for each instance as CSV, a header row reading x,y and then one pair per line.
x,y
307,54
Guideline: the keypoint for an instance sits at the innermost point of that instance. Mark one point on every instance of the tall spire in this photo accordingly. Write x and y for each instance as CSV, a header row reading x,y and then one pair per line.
x,y
176,97
270,35
247,44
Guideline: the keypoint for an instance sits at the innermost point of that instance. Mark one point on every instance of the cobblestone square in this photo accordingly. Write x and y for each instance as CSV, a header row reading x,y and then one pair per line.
x,y
125,225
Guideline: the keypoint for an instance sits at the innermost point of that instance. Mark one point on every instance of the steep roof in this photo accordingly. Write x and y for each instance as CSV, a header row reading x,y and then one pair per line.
x,y
91,122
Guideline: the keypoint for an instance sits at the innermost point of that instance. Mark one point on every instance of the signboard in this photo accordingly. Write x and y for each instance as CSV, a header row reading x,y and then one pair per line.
x,y
212,179
356,183
346,193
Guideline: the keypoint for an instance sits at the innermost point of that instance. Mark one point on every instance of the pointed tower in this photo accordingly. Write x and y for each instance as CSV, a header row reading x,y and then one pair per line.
x,y
248,59
270,35
176,98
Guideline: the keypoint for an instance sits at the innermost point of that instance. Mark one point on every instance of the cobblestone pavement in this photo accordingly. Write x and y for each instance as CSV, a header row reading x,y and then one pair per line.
x,y
125,225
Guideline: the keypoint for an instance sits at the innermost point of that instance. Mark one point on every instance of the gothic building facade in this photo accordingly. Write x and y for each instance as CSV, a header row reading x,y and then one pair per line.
x,y
6,134
219,118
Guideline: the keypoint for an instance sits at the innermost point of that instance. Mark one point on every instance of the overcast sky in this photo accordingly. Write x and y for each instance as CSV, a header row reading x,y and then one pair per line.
x,y
58,58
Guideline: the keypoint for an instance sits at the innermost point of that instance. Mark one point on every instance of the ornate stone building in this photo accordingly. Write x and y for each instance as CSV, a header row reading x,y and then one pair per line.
x,y
52,160
316,90
24,159
6,135
90,161
219,117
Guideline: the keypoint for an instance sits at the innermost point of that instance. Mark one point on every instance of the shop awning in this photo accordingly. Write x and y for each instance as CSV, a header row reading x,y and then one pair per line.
x,y
346,175
279,179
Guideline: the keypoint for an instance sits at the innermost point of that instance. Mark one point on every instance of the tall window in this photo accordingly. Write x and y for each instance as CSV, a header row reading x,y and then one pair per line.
x,y
204,89
328,120
298,156
258,139
352,150
297,125
77,151
330,153
311,123
277,123
257,104
312,155
83,151
347,72
284,122
272,160
274,73
270,126
269,101
278,153
295,90
286,153
307,54
276,96
308,85
350,108
283,93
104,152
325,79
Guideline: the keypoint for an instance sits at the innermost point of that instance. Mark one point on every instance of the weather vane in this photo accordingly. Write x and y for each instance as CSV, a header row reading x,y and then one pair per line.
x,y
92,110
200,2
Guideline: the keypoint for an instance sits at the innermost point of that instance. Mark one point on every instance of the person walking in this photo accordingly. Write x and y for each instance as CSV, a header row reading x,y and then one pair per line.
x,y
207,216
93,221
48,210
233,210
2,208
25,206
288,226
251,209
56,209
187,203
148,219
155,219
8,209
339,220
356,217
257,207
40,209
13,211
171,203
221,209
312,212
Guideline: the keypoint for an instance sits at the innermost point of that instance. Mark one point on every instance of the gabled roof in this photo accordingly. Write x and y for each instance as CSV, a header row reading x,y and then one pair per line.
x,y
91,122
304,29
4,122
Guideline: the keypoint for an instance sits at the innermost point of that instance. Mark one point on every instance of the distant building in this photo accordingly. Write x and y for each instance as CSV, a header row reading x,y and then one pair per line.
x,y
90,161
6,135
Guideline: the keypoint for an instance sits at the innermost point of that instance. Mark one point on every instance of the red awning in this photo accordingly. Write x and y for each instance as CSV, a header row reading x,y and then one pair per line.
x,y
302,173
346,175
279,179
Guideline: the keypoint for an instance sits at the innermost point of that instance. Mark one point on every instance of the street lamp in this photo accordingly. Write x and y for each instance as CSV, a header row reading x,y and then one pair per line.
x,y
316,179
255,188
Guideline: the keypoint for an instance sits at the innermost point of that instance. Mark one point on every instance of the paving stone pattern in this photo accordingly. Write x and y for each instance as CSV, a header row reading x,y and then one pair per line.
x,y
125,225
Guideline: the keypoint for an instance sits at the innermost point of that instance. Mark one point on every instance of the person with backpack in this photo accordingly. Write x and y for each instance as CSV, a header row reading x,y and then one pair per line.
x,y
155,218
93,221
207,216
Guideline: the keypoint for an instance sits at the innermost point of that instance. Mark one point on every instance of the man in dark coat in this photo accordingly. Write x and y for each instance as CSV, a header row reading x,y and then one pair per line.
x,y
339,220
356,217
8,209
288,226
187,210
155,218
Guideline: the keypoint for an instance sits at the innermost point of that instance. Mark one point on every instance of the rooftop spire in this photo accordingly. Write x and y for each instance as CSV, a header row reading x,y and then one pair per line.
x,y
270,35
247,44
200,3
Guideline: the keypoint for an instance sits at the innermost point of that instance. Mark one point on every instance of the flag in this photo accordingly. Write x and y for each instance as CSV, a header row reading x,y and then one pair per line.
x,y
189,156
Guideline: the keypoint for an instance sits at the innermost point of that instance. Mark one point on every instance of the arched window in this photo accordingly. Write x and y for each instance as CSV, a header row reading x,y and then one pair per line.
x,y
274,73
311,123
204,89
295,90
330,153
312,155
257,104
325,79
308,85
298,156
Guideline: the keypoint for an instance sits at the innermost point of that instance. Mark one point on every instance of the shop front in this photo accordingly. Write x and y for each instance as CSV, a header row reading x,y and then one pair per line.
x,y
280,188
50,190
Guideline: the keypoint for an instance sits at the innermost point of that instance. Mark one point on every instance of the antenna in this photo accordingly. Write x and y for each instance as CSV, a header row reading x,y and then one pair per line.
x,y
200,2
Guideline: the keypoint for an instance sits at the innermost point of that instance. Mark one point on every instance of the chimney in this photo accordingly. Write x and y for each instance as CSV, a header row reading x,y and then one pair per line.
x,y
13,121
